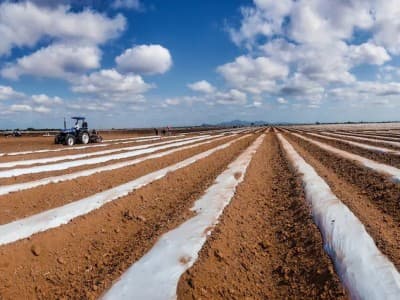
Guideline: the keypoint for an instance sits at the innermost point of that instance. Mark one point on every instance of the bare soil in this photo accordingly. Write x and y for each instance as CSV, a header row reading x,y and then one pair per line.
x,y
32,201
266,245
80,260
381,226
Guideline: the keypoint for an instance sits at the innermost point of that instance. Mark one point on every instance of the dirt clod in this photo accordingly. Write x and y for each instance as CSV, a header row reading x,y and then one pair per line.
x,y
35,249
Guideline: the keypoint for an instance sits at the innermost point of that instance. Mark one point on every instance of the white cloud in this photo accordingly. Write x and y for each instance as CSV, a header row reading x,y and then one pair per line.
x,y
282,100
172,101
43,99
58,60
232,96
42,109
111,85
255,104
386,24
145,59
368,89
90,105
321,22
254,75
368,53
319,43
202,86
229,97
8,93
265,18
131,4
25,24
20,108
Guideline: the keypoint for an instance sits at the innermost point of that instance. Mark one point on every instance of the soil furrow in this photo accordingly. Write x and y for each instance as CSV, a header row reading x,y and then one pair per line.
x,y
382,192
44,174
81,151
377,137
28,143
382,227
266,245
29,202
356,139
80,260
386,158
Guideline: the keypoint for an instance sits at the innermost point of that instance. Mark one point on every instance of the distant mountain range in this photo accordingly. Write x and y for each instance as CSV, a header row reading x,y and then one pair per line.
x,y
237,123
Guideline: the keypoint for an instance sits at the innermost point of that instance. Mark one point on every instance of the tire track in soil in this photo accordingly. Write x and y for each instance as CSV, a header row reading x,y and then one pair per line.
x,y
382,228
25,203
381,191
80,260
385,158
266,245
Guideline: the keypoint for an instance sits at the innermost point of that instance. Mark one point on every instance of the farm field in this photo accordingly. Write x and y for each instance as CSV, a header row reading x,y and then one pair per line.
x,y
291,212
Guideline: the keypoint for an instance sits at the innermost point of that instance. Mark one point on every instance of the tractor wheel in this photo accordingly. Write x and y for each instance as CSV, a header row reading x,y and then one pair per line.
x,y
56,140
85,138
69,140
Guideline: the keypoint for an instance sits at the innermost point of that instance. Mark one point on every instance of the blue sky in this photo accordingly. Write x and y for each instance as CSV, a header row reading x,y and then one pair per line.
x,y
141,63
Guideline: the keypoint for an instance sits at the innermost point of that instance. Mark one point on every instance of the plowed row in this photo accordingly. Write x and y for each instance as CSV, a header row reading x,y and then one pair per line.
x,y
266,244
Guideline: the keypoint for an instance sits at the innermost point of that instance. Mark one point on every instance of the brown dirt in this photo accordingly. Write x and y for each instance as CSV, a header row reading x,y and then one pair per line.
x,y
383,135
382,227
266,245
80,260
15,144
35,176
372,136
382,192
28,202
385,158
113,145
354,139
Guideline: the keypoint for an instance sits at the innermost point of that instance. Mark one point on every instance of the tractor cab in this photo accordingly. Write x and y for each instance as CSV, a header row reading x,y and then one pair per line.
x,y
80,123
79,133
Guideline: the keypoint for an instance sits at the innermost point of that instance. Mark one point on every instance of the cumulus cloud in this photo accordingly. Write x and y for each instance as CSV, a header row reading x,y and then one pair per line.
x,y
16,102
211,97
58,60
43,99
265,18
8,93
232,96
145,59
368,53
20,108
24,24
317,45
202,86
111,85
281,100
172,101
130,4
42,109
90,105
254,75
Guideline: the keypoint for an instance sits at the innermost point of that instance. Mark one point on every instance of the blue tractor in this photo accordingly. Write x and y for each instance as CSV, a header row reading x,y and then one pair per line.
x,y
79,134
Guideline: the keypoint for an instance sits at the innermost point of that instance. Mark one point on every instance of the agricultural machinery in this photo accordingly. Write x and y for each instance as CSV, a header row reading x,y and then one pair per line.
x,y
79,134
15,133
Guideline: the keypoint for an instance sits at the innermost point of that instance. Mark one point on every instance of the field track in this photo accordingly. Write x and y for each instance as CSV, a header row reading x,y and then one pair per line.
x,y
253,213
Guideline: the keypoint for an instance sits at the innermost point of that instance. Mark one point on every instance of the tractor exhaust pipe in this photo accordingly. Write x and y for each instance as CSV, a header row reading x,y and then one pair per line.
x,y
65,124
